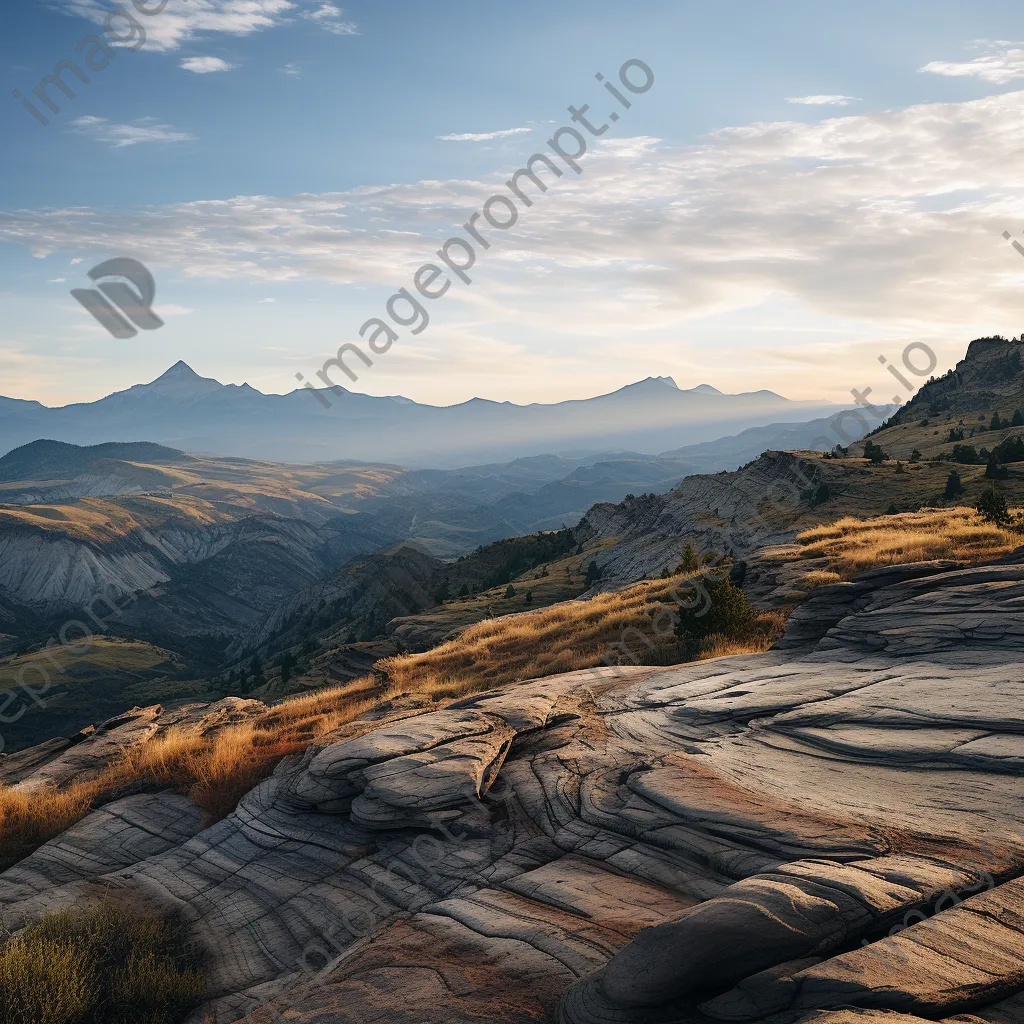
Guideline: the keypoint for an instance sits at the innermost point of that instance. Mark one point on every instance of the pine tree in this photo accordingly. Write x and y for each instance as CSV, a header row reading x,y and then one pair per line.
x,y
256,668
691,560
287,664
953,485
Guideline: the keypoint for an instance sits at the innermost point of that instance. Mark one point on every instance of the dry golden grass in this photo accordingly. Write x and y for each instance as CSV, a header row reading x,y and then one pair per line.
x,y
717,646
563,638
819,578
108,964
215,770
854,545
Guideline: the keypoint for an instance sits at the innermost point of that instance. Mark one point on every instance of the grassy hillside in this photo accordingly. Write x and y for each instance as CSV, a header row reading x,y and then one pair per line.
x,y
989,380
112,675
852,545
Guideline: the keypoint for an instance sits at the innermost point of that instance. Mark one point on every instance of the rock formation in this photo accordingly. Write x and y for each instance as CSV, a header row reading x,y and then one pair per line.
x,y
831,832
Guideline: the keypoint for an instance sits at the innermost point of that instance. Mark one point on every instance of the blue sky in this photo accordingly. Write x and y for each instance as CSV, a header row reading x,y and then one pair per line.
x,y
282,167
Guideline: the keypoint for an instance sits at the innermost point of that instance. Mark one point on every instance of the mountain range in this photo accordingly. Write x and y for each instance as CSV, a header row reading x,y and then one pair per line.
x,y
198,414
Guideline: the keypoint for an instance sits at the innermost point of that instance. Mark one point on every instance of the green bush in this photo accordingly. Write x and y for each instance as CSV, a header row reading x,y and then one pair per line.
x,y
720,609
1010,450
109,964
992,507
874,453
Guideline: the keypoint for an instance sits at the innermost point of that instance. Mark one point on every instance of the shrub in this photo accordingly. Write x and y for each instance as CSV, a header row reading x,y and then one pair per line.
x,y
510,591
110,964
874,453
953,485
1018,419
997,423
992,507
820,494
966,455
722,610
915,455
1010,450
593,573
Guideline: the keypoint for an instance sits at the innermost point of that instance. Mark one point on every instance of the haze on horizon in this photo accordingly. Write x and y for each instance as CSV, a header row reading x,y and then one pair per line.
x,y
801,191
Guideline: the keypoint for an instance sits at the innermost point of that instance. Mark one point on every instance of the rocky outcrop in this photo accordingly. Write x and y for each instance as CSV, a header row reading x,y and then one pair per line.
x,y
63,760
829,833
764,503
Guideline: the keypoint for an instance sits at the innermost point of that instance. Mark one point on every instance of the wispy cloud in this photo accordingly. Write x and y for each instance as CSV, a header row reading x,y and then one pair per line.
x,y
329,17
484,136
144,129
262,301
205,65
183,20
292,68
892,218
824,100
1002,65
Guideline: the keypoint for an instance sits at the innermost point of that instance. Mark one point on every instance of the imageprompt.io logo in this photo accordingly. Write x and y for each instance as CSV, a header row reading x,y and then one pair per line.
x,y
125,303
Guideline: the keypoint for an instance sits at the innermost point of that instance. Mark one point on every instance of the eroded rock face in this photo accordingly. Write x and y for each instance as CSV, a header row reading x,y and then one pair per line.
x,y
830,832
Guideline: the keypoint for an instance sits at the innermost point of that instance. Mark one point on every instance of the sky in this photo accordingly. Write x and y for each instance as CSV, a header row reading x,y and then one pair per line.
x,y
803,190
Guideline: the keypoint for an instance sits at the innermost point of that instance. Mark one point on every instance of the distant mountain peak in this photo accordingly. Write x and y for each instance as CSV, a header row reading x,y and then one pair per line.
x,y
705,389
179,381
179,371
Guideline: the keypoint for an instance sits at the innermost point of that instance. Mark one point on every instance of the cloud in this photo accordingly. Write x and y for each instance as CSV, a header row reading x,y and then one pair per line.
x,y
1000,67
184,20
261,301
291,68
205,65
890,221
143,129
824,101
328,17
484,136
56,280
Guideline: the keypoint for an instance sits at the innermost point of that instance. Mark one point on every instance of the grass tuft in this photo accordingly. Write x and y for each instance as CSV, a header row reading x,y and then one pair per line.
x,y
109,964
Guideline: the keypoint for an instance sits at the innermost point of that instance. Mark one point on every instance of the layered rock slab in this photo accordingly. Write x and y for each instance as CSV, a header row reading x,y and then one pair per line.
x,y
733,839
